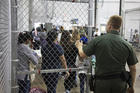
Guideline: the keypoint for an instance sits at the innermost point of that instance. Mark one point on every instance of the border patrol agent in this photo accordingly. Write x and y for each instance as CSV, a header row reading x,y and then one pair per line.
x,y
112,53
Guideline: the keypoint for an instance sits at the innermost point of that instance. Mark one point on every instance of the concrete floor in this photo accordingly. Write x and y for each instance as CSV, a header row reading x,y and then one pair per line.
x,y
137,86
38,82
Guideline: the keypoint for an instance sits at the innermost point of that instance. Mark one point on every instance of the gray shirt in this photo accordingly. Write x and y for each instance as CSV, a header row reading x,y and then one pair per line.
x,y
25,55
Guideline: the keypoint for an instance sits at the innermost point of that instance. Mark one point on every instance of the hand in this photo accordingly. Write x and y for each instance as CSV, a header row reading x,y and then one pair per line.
x,y
38,66
78,44
67,75
130,90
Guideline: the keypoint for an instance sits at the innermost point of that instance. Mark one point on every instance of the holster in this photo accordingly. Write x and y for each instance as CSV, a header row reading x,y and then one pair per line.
x,y
126,76
92,82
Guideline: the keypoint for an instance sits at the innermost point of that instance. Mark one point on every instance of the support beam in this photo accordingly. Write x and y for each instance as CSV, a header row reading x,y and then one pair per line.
x,y
120,8
14,14
132,10
14,35
106,1
30,14
74,1
90,19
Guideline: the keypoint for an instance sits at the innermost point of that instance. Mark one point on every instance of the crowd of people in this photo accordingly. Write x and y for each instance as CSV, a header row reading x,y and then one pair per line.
x,y
58,51
110,50
134,38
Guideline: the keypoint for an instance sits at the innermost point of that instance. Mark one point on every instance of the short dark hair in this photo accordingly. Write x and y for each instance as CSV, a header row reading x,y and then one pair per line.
x,y
39,29
51,36
115,21
23,37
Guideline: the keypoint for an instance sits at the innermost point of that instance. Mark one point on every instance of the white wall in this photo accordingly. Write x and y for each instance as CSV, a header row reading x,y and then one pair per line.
x,y
60,13
23,15
111,7
105,11
132,21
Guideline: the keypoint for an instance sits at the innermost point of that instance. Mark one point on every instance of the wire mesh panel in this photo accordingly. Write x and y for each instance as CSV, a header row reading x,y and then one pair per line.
x,y
132,27
48,30
4,47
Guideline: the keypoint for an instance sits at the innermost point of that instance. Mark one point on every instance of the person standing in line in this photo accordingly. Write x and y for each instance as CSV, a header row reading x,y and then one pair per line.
x,y
75,35
52,58
83,63
112,53
25,55
70,53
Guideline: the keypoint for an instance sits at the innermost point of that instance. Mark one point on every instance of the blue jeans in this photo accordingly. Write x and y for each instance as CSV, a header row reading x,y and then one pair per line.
x,y
24,85
51,80
82,77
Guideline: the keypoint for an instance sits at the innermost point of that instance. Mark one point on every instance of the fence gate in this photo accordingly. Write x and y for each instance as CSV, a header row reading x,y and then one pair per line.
x,y
5,47
35,20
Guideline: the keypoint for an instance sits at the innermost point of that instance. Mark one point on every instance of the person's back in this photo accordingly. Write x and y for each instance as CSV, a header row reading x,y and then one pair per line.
x,y
24,53
112,53
71,55
50,56
70,50
112,50
25,56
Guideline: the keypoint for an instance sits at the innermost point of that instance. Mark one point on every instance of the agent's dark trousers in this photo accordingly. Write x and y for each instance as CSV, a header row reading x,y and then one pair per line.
x,y
82,78
110,86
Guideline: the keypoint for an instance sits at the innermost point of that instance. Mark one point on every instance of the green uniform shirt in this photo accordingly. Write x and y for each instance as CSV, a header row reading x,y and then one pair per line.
x,y
112,53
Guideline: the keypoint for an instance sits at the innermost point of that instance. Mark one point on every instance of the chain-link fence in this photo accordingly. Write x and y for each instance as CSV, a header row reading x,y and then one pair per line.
x,y
132,27
4,47
48,58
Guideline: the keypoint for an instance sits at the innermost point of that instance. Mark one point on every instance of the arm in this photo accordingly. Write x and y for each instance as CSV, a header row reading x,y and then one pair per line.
x,y
132,61
63,60
81,52
79,45
133,73
31,56
87,50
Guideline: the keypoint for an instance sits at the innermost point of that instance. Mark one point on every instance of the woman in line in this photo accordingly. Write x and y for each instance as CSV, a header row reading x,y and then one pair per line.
x,y
83,63
25,55
75,35
52,58
70,53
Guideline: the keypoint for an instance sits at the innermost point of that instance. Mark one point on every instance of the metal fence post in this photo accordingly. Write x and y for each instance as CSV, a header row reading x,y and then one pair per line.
x,y
90,19
14,33
9,64
14,81
30,15
121,13
90,30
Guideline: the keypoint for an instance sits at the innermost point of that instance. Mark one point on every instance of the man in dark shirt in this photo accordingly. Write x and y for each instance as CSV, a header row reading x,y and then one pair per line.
x,y
112,53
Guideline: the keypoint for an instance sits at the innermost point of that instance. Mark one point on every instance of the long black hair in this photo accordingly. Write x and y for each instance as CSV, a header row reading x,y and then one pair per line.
x,y
66,40
23,37
51,36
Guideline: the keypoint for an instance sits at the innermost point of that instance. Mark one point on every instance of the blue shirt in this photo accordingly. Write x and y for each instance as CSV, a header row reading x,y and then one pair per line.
x,y
50,56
